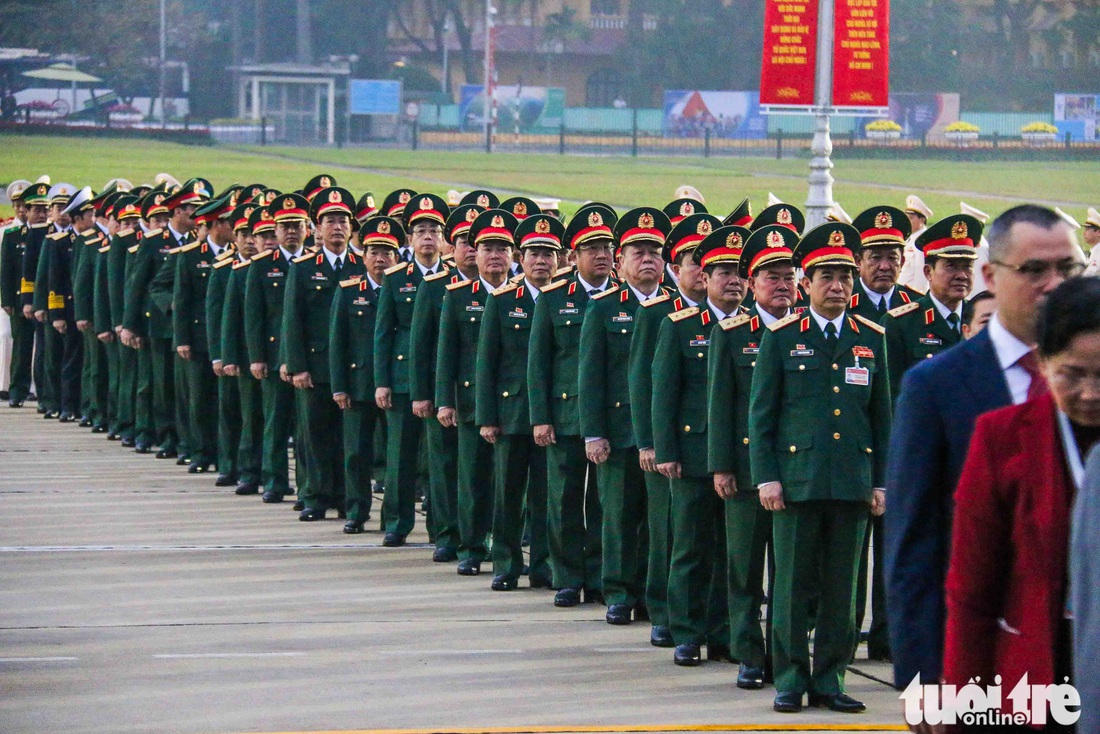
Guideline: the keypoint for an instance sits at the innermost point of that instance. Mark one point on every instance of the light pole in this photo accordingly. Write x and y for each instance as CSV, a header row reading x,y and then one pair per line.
x,y
163,57
820,197
446,83
489,104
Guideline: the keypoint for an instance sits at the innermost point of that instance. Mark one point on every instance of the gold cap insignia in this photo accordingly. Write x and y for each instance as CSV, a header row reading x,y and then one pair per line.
x,y
334,197
775,239
483,201
595,220
646,221
883,220
159,199
784,217
498,221
370,201
959,231
687,209
383,228
425,204
326,182
542,226
471,215
288,203
520,209
703,228
734,241
265,216
836,239
404,197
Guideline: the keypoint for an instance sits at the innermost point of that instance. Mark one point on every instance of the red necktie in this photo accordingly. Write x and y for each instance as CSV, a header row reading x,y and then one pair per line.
x,y
1030,363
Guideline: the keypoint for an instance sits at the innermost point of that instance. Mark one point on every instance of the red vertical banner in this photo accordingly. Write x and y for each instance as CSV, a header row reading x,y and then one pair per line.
x,y
861,53
789,66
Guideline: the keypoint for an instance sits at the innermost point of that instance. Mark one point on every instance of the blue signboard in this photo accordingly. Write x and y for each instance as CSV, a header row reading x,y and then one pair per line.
x,y
374,97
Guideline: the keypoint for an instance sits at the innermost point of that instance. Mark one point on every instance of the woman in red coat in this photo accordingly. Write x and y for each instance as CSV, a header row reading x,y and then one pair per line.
x,y
1007,609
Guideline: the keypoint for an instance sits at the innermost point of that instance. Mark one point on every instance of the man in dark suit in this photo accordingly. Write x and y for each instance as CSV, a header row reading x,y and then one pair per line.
x,y
1032,250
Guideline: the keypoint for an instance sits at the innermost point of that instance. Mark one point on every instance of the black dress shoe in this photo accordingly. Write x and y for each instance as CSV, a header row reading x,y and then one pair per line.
x,y
718,654
128,443
272,498
65,417
567,597
539,582
787,702
198,468
167,454
299,506
469,567
353,528
51,415
246,488
618,614
505,583
143,448
183,460
113,436
99,429
393,540
661,636
85,422
444,555
593,596
750,678
225,480
840,702
687,655
15,403
311,514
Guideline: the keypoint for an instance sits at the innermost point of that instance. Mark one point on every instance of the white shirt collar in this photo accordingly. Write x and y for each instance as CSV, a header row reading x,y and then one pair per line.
x,y
588,286
355,249
767,319
214,246
179,237
489,287
642,298
687,301
534,291
290,255
838,322
1009,349
875,297
333,257
424,270
718,313
944,311
374,286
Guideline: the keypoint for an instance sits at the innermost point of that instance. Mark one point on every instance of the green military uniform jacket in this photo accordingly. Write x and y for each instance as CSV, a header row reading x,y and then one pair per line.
x,y
84,276
220,273
818,421
392,331
351,334
862,305
553,384
101,299
456,354
62,263
604,374
265,286
234,317
680,390
647,323
149,284
11,265
915,332
33,243
424,332
119,267
194,265
502,352
734,346
309,294
53,241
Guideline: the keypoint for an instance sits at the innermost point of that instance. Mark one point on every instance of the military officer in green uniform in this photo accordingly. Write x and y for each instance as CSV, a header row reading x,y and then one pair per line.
x,y
37,200
697,604
351,362
573,507
310,291
194,264
11,275
424,217
96,379
503,410
53,342
134,410
883,232
682,270
606,420
255,232
103,325
793,219
767,267
394,206
265,285
492,237
819,426
66,247
442,440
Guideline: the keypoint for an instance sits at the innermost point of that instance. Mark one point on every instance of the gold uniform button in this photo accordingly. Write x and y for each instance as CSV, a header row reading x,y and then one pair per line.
x,y
869,451
312,350
699,355
318,287
564,396
274,285
836,412
148,315
836,436
271,338
400,357
517,326
793,449
624,331
503,394
473,318
801,368
836,388
753,363
836,367
353,365
618,405
408,300
359,313
687,429
568,323
745,440
928,356
466,383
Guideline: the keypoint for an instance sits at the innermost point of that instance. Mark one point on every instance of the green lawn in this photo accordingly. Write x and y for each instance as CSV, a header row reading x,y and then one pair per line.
x,y
623,182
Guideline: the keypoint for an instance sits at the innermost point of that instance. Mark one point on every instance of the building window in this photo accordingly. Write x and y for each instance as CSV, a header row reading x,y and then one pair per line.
x,y
606,7
604,87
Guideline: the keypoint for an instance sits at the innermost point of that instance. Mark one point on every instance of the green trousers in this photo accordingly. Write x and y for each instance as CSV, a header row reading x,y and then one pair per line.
x,y
625,534
229,425
114,369
321,438
202,418
698,609
519,478
817,544
101,407
145,403
403,431
442,521
128,360
573,516
49,394
359,424
181,405
475,493
22,356
748,533
165,395
878,639
250,446
278,409
659,510
89,399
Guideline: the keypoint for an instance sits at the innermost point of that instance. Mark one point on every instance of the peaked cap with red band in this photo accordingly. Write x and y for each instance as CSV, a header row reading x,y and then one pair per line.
x,y
784,214
331,200
521,207
643,226
680,208
723,246
483,199
771,245
883,226
394,203
541,230
686,235
830,244
382,231
591,222
459,222
741,216
956,236
288,207
426,207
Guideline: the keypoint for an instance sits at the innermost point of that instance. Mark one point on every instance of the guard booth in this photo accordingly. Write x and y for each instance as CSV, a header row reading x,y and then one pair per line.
x,y
299,101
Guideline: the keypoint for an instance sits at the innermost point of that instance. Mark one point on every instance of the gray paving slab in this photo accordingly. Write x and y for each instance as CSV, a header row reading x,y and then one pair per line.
x,y
137,598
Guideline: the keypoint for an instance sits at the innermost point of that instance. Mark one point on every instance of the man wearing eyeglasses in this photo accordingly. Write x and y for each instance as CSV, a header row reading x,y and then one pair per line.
x,y
1031,251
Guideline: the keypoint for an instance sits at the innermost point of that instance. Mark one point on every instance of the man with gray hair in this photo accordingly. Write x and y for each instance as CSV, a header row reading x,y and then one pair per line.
x,y
1032,250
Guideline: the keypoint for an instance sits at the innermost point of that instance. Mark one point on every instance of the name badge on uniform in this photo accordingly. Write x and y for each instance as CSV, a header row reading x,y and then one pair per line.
x,y
360,301
318,276
407,288
857,376
931,341
751,349
800,350
622,318
203,264
275,274
517,314
475,307
699,342
567,311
